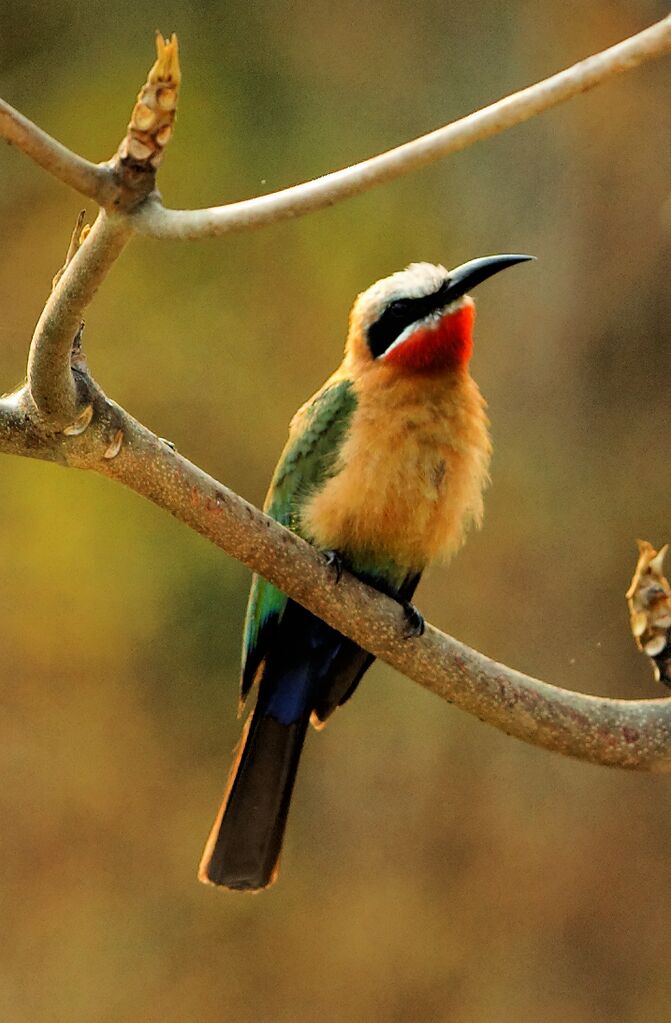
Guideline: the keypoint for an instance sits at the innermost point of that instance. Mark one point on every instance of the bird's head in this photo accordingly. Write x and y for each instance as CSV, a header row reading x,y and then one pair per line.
x,y
421,319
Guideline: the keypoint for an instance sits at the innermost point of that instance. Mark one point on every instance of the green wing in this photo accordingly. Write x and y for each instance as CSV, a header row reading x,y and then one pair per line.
x,y
309,458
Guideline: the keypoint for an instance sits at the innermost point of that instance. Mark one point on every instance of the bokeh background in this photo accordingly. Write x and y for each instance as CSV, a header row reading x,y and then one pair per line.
x,y
434,869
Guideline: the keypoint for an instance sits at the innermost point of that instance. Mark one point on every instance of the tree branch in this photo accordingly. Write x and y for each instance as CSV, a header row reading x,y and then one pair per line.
x,y
50,378
129,177
62,415
155,220
51,383
635,734
95,181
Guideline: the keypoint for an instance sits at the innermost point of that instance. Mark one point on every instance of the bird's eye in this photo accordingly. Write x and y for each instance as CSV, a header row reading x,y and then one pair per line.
x,y
399,308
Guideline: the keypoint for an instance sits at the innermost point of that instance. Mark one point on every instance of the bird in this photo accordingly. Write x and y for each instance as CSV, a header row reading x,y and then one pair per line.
x,y
383,471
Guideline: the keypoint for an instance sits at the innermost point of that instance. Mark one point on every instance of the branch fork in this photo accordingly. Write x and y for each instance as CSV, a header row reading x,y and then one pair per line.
x,y
60,414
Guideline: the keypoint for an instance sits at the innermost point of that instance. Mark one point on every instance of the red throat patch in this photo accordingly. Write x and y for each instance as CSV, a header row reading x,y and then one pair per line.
x,y
444,346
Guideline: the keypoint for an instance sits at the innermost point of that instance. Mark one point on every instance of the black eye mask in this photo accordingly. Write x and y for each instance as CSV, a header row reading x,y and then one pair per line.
x,y
399,314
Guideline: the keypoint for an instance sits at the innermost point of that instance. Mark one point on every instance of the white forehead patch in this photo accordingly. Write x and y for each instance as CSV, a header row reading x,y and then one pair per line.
x,y
416,281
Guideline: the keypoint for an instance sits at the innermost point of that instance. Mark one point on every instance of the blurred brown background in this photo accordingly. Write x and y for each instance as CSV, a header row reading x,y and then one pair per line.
x,y
435,870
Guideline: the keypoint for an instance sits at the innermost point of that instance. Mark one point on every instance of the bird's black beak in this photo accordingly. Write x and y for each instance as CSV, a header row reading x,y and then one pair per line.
x,y
466,276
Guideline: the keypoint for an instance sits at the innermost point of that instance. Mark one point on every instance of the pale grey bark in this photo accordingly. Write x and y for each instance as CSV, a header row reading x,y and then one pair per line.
x,y
159,222
95,181
51,382
61,415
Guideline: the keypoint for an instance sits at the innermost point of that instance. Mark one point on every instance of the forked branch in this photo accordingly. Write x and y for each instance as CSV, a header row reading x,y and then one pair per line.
x,y
62,415
100,181
155,220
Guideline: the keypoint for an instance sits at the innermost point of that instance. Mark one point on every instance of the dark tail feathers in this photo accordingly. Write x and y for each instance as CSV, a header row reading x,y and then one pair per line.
x,y
309,667
244,846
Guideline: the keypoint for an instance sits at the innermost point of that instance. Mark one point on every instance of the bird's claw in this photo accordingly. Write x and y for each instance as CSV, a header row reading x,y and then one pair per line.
x,y
334,561
414,620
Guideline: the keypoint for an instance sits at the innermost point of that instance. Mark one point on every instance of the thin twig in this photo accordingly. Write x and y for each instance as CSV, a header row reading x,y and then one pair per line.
x,y
95,181
153,219
77,237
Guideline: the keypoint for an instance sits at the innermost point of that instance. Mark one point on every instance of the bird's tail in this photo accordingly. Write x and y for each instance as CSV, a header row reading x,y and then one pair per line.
x,y
309,667
244,846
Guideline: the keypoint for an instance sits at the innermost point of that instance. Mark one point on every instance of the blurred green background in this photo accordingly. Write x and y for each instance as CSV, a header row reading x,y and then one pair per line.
x,y
434,869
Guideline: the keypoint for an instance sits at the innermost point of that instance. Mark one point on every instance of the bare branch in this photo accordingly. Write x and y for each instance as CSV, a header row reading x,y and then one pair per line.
x,y
61,415
50,378
21,433
153,219
633,734
95,181
130,176
103,183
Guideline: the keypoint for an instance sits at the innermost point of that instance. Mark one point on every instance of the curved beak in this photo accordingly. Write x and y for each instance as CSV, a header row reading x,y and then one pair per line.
x,y
468,275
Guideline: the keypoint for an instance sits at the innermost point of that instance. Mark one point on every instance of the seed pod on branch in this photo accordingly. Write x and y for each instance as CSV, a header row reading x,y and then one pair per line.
x,y
649,600
151,123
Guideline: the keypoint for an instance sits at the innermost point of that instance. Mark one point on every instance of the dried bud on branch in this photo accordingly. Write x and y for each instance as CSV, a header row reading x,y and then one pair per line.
x,y
153,116
64,417
649,600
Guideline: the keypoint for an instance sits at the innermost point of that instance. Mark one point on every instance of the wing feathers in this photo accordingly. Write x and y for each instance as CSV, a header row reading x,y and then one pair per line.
x,y
309,458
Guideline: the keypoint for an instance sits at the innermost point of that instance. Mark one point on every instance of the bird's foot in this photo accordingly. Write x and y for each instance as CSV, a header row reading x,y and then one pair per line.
x,y
334,561
414,620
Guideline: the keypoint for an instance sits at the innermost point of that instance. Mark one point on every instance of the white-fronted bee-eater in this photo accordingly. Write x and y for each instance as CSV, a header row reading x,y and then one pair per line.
x,y
384,471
